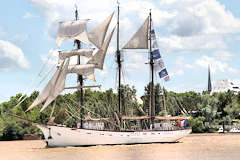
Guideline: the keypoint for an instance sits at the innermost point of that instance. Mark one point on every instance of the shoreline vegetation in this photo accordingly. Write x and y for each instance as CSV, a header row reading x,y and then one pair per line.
x,y
207,111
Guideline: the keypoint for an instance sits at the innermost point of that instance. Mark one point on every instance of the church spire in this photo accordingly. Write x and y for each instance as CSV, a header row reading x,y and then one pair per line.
x,y
209,80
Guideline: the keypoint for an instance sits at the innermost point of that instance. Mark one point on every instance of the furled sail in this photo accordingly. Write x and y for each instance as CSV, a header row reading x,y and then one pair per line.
x,y
86,70
98,58
81,52
73,30
56,81
97,35
140,38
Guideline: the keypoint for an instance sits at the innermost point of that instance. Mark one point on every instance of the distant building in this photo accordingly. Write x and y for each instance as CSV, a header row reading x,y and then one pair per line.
x,y
209,81
223,85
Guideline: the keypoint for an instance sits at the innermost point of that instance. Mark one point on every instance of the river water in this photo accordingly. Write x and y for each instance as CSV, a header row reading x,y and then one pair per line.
x,y
193,147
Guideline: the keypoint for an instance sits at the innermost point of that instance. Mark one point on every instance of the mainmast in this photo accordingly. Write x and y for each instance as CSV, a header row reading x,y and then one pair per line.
x,y
119,68
152,101
79,79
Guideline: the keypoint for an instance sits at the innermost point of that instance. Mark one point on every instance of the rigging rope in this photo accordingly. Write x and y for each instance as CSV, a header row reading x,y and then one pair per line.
x,y
53,109
34,89
96,114
38,75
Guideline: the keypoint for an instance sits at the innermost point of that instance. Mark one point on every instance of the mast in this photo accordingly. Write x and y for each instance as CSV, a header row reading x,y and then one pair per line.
x,y
119,68
79,79
152,101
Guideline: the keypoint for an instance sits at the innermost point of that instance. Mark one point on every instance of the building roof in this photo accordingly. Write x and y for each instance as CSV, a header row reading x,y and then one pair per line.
x,y
223,85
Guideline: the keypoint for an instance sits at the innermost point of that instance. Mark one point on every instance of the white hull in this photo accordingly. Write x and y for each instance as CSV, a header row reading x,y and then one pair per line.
x,y
64,136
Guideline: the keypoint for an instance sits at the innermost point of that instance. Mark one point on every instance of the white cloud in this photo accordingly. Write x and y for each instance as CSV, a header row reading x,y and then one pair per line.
x,y
192,44
181,62
11,57
103,73
215,65
141,9
223,55
198,25
21,37
29,15
208,17
135,62
2,32
179,72
51,58
186,24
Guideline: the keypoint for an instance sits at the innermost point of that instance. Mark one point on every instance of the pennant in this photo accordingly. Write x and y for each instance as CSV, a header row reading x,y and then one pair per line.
x,y
166,78
158,61
153,37
156,54
154,45
163,73
152,34
159,65
152,31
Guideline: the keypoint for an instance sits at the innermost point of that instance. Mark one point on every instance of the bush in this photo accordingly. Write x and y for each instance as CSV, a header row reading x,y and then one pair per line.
x,y
197,125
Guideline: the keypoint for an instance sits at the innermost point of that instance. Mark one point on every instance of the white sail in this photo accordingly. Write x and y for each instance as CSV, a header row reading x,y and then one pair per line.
x,y
73,30
81,52
86,70
98,58
58,86
97,35
140,38
45,92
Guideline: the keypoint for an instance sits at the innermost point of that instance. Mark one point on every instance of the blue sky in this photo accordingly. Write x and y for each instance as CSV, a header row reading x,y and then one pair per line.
x,y
191,34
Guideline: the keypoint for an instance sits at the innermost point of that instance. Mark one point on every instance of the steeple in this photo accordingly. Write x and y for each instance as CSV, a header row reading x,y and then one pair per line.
x,y
209,80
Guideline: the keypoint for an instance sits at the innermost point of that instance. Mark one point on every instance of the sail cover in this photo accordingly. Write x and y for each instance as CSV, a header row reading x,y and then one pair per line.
x,y
140,38
73,30
81,52
97,35
86,70
53,88
98,58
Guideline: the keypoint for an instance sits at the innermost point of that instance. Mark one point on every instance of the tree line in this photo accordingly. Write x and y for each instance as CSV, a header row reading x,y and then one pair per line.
x,y
202,107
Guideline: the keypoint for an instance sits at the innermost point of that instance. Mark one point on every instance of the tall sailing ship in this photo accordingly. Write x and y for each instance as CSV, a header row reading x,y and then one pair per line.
x,y
59,135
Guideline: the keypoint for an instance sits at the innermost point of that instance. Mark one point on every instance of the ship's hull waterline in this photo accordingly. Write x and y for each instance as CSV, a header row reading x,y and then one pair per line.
x,y
57,136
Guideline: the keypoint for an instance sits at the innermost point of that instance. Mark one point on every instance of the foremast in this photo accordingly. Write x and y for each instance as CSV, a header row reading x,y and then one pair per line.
x,y
79,78
77,31
119,62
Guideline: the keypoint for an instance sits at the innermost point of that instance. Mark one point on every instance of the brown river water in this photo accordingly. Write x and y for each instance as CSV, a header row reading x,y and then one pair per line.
x,y
193,147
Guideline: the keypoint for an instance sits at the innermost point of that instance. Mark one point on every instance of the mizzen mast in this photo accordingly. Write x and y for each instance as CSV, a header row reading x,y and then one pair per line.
x,y
152,99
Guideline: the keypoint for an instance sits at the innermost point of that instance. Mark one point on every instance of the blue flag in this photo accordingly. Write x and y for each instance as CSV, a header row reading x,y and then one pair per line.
x,y
163,73
156,54
152,31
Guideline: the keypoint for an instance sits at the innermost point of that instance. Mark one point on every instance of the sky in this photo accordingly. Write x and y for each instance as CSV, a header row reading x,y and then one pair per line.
x,y
191,34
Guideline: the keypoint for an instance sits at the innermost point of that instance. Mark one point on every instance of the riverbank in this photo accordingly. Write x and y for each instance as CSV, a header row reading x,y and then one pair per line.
x,y
193,147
